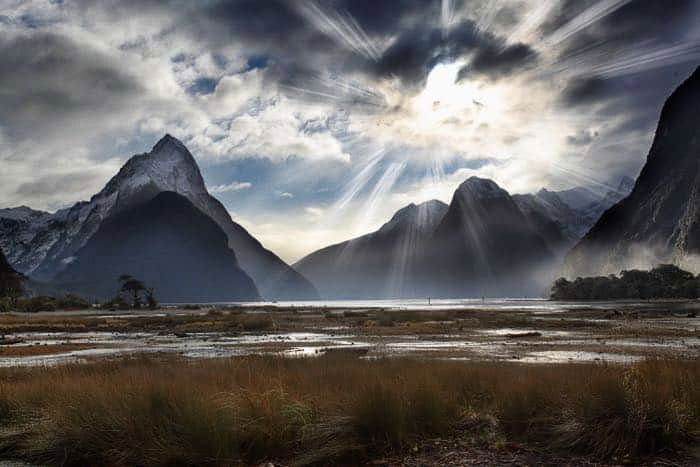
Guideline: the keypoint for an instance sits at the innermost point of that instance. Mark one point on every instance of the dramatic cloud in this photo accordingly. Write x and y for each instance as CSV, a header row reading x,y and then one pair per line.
x,y
323,116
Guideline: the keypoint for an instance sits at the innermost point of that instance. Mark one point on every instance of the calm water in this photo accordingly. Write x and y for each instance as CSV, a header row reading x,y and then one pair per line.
x,y
495,304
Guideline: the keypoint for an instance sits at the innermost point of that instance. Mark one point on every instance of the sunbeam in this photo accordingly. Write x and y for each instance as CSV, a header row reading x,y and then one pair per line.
x,y
586,18
341,26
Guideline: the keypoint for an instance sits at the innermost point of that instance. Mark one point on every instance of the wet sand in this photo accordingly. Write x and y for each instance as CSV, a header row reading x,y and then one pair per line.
x,y
530,332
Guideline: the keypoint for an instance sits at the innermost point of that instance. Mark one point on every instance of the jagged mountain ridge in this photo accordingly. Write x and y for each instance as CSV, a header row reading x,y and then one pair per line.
x,y
660,220
480,245
564,217
170,245
381,264
43,249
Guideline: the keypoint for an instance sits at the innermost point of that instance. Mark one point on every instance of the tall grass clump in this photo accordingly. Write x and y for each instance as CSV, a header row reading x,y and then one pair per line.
x,y
166,411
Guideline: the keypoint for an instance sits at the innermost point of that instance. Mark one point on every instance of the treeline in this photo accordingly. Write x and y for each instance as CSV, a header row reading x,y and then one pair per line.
x,y
15,295
664,281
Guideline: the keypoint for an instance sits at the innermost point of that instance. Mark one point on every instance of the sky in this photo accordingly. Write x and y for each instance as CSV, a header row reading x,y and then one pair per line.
x,y
314,120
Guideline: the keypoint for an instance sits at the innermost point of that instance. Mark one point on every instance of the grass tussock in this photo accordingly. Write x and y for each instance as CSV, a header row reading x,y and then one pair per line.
x,y
143,411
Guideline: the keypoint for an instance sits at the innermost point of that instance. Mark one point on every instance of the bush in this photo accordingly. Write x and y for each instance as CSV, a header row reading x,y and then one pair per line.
x,y
167,411
664,281
37,304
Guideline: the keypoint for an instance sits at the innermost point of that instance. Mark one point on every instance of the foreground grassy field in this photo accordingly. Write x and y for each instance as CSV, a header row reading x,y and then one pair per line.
x,y
340,409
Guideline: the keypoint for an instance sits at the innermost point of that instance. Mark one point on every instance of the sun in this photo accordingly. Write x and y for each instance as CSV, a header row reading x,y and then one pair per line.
x,y
446,100
446,114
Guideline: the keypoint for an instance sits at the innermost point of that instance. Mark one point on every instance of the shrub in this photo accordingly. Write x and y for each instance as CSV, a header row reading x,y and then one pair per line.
x,y
168,411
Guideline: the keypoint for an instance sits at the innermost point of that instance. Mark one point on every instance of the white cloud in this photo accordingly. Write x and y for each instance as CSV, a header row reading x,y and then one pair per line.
x,y
233,186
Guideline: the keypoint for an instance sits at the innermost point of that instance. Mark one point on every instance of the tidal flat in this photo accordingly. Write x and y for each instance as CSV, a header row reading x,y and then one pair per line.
x,y
513,331
470,383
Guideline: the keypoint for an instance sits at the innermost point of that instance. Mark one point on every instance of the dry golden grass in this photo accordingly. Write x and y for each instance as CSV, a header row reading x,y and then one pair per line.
x,y
146,411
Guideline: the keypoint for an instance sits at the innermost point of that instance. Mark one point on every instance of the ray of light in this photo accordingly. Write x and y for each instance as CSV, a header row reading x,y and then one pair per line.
x,y
355,185
531,22
488,14
589,16
446,16
336,91
603,60
341,26
648,59
383,186
378,193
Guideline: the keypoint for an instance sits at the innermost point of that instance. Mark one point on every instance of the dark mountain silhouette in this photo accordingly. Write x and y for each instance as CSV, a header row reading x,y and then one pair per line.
x,y
660,220
167,243
481,245
42,245
485,246
554,220
382,264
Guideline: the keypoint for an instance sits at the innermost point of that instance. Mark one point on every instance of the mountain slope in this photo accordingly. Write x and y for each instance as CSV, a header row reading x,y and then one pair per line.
x,y
480,245
43,249
660,219
485,246
555,221
378,265
170,245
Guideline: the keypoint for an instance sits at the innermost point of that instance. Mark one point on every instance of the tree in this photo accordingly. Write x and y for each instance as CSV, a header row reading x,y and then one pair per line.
x,y
133,288
151,299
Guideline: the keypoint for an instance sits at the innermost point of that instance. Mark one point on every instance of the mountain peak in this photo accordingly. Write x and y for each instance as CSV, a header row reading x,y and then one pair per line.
x,y
424,215
481,188
167,142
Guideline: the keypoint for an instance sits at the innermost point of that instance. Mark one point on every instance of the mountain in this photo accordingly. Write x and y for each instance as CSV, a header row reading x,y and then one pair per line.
x,y
45,246
593,211
485,246
382,264
562,218
26,235
480,245
579,197
660,220
557,223
167,243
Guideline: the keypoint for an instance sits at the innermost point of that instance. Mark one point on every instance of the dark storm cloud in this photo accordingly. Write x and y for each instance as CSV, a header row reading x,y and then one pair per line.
x,y
496,61
585,90
46,77
618,34
295,51
415,53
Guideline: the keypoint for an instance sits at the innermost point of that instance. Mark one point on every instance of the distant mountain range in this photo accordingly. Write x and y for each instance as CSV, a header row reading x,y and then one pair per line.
x,y
485,243
155,219
573,212
44,245
660,220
